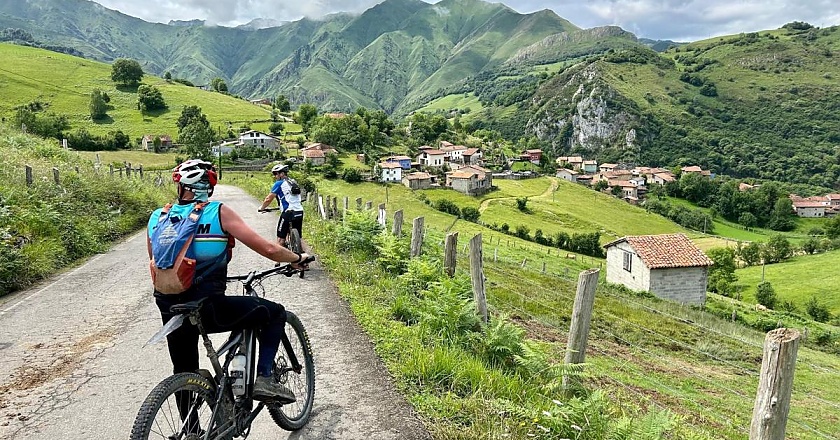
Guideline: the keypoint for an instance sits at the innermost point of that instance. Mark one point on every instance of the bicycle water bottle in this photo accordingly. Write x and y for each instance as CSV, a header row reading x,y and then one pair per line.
x,y
237,374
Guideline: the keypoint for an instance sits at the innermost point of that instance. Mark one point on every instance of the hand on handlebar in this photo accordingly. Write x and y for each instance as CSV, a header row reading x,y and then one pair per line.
x,y
305,259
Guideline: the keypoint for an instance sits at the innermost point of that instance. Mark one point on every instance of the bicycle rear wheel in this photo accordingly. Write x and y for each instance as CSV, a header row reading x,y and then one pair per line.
x,y
294,416
181,407
295,244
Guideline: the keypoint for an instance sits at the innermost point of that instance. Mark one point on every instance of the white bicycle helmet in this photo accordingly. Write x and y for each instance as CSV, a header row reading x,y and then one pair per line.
x,y
198,176
280,168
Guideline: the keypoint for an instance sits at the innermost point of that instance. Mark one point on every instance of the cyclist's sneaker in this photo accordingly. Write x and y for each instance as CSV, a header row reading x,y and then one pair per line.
x,y
266,389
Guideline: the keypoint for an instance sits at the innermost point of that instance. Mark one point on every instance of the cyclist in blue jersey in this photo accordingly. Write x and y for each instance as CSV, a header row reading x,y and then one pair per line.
x,y
213,244
284,192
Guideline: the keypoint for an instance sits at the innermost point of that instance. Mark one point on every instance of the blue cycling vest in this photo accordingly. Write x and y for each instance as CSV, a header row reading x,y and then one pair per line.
x,y
210,240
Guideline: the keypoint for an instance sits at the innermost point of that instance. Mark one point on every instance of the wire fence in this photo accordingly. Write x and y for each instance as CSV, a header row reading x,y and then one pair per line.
x,y
721,381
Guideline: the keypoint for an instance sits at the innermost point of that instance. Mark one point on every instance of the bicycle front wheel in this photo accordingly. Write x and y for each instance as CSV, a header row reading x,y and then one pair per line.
x,y
295,244
179,407
294,416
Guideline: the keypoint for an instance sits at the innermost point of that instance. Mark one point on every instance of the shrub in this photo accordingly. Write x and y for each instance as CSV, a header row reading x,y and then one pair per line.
x,y
392,252
522,204
816,310
447,206
470,214
765,295
351,175
357,233
523,232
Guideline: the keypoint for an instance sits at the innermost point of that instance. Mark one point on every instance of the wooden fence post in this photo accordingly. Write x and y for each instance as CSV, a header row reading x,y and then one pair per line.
x,y
327,207
28,175
346,206
55,176
416,237
772,401
141,171
495,254
111,167
321,209
334,207
543,270
581,318
398,223
128,171
450,253
477,277
368,206
380,217
359,203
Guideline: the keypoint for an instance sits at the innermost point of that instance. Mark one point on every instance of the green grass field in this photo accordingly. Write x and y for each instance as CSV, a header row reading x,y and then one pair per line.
x,y
150,161
797,280
450,102
64,83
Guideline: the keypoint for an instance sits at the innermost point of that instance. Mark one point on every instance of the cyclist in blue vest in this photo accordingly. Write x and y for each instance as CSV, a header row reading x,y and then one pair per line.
x,y
292,210
213,242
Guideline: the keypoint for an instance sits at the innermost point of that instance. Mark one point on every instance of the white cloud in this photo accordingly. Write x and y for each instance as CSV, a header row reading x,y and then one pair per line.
x,y
682,20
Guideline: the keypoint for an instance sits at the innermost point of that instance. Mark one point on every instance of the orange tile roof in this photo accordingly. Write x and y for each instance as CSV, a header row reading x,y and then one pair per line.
x,y
418,176
665,250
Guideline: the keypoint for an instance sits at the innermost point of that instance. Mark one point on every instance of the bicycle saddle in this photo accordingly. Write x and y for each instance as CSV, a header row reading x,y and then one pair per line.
x,y
187,307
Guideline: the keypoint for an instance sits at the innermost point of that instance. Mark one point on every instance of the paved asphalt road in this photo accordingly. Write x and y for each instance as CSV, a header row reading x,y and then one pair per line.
x,y
75,364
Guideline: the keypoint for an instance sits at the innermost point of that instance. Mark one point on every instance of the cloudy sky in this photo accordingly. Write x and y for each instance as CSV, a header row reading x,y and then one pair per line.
x,y
679,20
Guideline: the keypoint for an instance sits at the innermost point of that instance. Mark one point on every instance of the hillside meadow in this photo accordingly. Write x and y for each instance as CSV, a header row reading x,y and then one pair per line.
x,y
64,83
658,364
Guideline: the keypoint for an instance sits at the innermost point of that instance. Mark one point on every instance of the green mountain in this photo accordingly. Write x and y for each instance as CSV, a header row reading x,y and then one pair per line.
x,y
395,56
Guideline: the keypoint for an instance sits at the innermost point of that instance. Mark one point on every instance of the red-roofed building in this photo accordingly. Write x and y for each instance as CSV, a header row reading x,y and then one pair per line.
x,y
669,265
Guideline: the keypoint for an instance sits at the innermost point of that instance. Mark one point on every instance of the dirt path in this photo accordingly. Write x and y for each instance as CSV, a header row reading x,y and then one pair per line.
x,y
73,349
554,184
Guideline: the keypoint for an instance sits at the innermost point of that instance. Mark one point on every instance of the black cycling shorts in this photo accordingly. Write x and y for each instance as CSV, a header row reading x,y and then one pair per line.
x,y
287,219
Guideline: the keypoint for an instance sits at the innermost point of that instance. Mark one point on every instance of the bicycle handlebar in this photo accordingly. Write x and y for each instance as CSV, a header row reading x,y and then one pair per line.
x,y
285,269
268,209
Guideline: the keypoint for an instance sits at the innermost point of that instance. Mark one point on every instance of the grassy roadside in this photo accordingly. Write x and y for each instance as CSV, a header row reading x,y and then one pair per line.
x,y
657,369
45,227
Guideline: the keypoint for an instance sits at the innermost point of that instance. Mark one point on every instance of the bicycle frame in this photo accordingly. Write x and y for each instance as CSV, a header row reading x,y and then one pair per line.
x,y
243,412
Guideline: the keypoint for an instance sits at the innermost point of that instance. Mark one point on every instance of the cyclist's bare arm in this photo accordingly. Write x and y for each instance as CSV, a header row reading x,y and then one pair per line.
x,y
235,226
267,201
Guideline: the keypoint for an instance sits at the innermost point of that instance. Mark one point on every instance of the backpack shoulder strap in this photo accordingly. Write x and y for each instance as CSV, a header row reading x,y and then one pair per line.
x,y
196,212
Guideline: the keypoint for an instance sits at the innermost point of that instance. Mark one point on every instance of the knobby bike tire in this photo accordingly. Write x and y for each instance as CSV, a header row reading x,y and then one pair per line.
x,y
295,244
294,416
152,422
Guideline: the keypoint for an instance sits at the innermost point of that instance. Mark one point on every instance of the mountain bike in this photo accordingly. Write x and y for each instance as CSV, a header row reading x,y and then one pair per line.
x,y
293,241
218,405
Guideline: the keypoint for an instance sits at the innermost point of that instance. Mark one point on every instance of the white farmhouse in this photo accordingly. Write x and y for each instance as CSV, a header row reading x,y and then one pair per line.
x,y
259,139
669,265
390,172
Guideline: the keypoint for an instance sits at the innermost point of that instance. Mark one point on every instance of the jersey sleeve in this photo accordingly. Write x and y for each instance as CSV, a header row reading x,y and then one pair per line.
x,y
153,221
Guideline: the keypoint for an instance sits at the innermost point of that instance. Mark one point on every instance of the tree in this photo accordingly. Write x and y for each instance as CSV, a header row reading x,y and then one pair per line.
x,y
306,115
126,71
196,138
157,144
750,254
522,204
818,311
810,245
776,249
167,76
601,185
150,98
282,104
98,106
275,128
765,295
722,273
190,114
470,214
782,217
219,85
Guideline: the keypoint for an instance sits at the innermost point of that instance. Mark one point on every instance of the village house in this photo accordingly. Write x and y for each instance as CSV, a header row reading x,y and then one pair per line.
x,y
629,190
566,174
590,166
607,167
470,180
225,148
404,161
418,180
390,172
669,266
809,208
696,170
472,156
321,147
585,180
149,142
431,158
260,101
743,186
534,155
662,178
254,138
833,201
453,153
315,157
